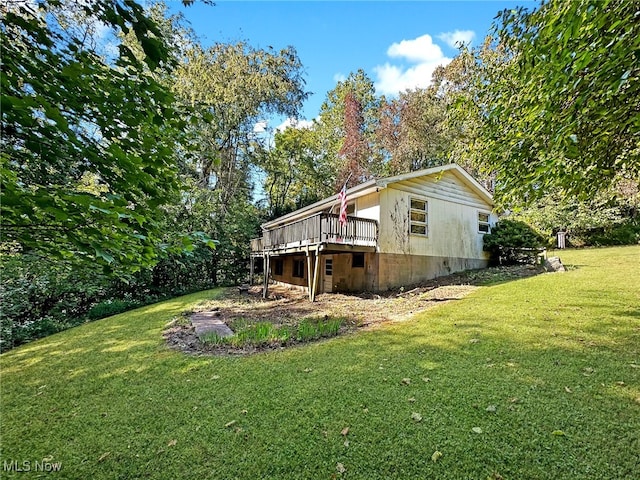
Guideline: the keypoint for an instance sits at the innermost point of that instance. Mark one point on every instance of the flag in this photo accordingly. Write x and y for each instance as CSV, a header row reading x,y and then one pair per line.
x,y
342,196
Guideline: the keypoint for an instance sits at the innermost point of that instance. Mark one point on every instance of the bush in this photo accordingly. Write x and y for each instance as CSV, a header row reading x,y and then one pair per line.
x,y
111,307
626,233
512,242
42,296
609,218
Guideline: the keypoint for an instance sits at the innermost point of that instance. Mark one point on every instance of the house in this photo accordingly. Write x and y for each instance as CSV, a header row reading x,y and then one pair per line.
x,y
400,231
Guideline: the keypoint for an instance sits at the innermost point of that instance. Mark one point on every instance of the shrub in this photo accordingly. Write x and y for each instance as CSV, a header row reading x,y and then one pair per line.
x,y
43,296
512,241
609,218
111,307
626,233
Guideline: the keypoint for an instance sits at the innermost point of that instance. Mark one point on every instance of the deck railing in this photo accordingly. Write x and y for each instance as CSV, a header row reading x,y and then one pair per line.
x,y
256,245
319,228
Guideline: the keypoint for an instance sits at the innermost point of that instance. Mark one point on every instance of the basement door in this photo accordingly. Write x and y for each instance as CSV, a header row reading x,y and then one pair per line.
x,y
327,283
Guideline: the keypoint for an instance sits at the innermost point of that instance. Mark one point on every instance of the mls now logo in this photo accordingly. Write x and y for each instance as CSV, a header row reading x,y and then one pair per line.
x,y
29,466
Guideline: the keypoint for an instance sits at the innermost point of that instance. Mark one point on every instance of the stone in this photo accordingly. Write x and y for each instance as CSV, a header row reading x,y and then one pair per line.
x,y
206,322
553,264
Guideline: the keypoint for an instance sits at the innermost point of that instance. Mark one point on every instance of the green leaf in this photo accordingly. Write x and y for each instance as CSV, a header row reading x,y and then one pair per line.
x,y
104,255
153,51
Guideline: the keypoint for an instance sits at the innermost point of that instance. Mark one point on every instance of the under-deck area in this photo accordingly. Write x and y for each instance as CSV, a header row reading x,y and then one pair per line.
x,y
308,246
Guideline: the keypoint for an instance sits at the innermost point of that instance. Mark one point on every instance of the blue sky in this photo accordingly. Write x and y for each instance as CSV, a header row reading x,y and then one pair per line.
x,y
398,44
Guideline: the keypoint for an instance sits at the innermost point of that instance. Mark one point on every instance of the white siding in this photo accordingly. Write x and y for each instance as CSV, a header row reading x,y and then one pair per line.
x,y
446,186
452,218
369,207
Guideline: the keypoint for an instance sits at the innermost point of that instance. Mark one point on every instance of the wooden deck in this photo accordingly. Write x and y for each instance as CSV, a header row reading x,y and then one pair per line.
x,y
315,235
321,231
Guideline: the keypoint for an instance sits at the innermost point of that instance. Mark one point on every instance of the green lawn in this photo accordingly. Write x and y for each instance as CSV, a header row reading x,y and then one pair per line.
x,y
531,379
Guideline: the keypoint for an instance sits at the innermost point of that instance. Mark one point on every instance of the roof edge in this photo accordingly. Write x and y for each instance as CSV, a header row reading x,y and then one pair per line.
x,y
353,192
375,185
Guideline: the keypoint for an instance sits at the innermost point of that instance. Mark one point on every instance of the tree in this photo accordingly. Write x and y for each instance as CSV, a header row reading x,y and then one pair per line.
x,y
346,128
230,88
295,175
562,105
87,145
457,85
355,150
233,87
412,131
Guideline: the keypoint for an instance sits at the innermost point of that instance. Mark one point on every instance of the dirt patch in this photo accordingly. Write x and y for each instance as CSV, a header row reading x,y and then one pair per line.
x,y
365,310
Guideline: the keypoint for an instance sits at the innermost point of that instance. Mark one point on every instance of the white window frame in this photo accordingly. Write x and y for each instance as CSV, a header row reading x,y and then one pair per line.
x,y
484,223
328,267
419,223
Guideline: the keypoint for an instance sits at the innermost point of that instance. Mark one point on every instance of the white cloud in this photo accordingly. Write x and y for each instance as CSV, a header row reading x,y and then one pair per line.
x,y
293,123
339,77
260,127
422,56
393,79
421,49
457,37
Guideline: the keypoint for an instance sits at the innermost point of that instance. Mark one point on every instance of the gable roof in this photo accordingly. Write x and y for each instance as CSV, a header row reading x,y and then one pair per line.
x,y
376,185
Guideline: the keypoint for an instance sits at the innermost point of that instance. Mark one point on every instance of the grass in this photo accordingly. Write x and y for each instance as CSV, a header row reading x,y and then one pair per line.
x,y
266,333
547,369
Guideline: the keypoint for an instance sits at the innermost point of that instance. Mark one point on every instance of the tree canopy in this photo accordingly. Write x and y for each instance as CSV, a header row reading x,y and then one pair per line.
x,y
412,131
295,173
561,99
87,143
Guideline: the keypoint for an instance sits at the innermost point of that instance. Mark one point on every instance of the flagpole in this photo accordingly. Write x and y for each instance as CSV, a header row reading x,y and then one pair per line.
x,y
344,186
347,180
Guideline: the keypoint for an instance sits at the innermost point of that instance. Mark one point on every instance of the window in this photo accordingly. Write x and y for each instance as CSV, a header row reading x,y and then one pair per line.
x,y
328,267
298,268
418,217
483,223
357,260
351,208
278,267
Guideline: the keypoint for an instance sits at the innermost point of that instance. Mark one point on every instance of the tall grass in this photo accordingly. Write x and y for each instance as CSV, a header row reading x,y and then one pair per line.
x,y
266,333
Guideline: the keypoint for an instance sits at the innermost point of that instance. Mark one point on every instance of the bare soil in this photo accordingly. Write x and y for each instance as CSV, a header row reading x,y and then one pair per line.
x,y
288,306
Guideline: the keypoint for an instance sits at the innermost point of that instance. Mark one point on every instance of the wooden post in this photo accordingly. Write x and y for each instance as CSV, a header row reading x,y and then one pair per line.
x,y
252,261
309,278
316,272
265,286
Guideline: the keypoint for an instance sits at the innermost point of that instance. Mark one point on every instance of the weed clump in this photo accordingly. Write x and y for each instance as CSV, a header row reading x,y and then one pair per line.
x,y
267,334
